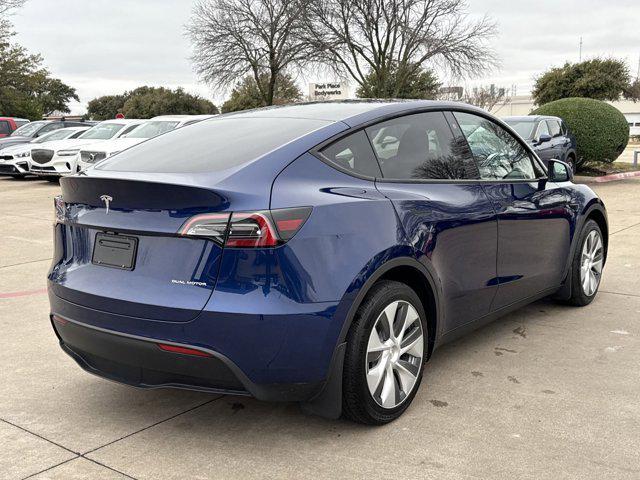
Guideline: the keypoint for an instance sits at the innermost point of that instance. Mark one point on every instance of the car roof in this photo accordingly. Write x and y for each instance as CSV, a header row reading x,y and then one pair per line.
x,y
351,112
124,121
530,118
15,118
180,117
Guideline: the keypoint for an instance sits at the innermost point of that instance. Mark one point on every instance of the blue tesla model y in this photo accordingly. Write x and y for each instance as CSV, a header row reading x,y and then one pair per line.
x,y
316,253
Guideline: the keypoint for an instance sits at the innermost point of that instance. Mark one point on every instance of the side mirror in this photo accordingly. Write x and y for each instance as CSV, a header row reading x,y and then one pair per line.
x,y
559,171
544,138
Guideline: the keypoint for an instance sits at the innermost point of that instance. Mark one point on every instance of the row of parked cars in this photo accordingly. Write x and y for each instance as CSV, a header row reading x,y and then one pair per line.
x,y
51,149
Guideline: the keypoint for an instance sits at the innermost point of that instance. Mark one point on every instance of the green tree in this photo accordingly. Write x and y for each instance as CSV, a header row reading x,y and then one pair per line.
x,y
148,102
246,94
417,84
26,88
600,79
106,107
601,130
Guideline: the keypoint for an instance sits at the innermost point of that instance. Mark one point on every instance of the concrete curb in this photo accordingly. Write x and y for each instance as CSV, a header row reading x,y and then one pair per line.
x,y
614,177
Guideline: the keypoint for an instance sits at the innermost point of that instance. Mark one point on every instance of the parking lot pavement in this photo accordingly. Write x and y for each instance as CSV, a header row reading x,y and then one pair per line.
x,y
548,392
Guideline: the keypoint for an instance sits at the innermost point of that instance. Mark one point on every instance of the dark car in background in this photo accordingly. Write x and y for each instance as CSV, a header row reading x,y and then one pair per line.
x,y
9,124
316,253
549,137
32,130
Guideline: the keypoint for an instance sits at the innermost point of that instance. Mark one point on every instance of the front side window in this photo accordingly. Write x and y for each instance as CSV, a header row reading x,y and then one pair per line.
x,y
543,129
5,128
353,154
498,153
421,147
554,128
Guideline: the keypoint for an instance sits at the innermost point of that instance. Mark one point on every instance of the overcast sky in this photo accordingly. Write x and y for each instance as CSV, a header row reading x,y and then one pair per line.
x,y
104,46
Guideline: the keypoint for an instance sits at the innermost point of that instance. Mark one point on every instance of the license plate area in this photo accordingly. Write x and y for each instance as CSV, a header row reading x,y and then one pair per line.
x,y
115,251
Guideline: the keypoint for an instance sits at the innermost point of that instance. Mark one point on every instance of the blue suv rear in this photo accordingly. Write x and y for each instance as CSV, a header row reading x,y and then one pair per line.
x,y
315,253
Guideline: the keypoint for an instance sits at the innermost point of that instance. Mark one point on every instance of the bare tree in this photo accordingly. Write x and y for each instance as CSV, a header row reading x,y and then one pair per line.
x,y
233,38
6,7
486,97
361,37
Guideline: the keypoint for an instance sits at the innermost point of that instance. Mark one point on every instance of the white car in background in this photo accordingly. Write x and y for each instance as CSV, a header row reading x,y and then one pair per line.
x,y
58,158
15,160
90,154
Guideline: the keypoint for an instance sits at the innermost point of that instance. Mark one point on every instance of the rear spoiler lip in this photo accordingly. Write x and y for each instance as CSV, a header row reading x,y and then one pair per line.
x,y
140,194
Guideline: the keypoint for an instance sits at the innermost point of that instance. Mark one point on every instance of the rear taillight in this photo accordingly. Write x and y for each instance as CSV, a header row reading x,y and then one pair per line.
x,y
248,229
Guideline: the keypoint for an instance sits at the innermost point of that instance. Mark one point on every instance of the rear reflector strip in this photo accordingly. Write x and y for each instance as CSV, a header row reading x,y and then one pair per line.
x,y
59,320
183,350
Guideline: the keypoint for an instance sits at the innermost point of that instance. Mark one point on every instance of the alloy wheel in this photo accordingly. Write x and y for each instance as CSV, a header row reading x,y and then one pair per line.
x,y
394,354
591,263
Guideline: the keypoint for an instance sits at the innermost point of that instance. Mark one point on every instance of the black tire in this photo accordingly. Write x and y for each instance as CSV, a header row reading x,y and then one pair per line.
x,y
578,296
357,402
571,161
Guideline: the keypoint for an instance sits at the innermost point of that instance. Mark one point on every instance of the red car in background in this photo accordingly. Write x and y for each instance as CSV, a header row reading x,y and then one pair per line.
x,y
8,125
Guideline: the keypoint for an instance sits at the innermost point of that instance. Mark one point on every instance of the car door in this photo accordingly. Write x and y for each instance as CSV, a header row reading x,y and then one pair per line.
x,y
534,216
557,139
543,149
432,181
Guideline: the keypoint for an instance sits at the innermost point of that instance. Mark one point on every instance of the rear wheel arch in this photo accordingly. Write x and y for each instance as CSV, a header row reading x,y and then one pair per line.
x,y
416,276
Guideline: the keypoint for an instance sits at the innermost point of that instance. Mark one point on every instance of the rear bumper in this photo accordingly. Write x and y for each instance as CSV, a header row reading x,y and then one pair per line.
x,y
138,360
141,363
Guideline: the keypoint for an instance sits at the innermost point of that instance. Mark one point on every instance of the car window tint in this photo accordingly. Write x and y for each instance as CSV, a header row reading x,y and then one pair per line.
x,y
212,145
5,128
353,154
543,129
498,153
554,128
421,147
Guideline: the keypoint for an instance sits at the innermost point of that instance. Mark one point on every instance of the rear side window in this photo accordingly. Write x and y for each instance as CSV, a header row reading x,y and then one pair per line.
x,y
421,147
5,128
353,154
211,145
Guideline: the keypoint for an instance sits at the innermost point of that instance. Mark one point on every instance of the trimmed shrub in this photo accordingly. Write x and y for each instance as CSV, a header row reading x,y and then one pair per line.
x,y
601,131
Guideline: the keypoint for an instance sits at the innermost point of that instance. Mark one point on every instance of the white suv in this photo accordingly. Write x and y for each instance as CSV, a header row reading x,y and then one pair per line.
x,y
91,154
58,158
15,160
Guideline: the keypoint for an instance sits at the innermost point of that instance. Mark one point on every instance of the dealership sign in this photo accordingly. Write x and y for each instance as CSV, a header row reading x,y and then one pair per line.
x,y
329,91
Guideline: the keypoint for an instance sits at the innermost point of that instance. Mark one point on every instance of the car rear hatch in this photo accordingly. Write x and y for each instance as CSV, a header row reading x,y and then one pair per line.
x,y
118,248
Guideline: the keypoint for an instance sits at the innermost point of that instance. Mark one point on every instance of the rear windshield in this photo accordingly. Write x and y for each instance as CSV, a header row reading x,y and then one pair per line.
x,y
212,145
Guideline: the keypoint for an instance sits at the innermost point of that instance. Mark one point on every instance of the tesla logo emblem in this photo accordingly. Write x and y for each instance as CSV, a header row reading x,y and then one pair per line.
x,y
107,201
